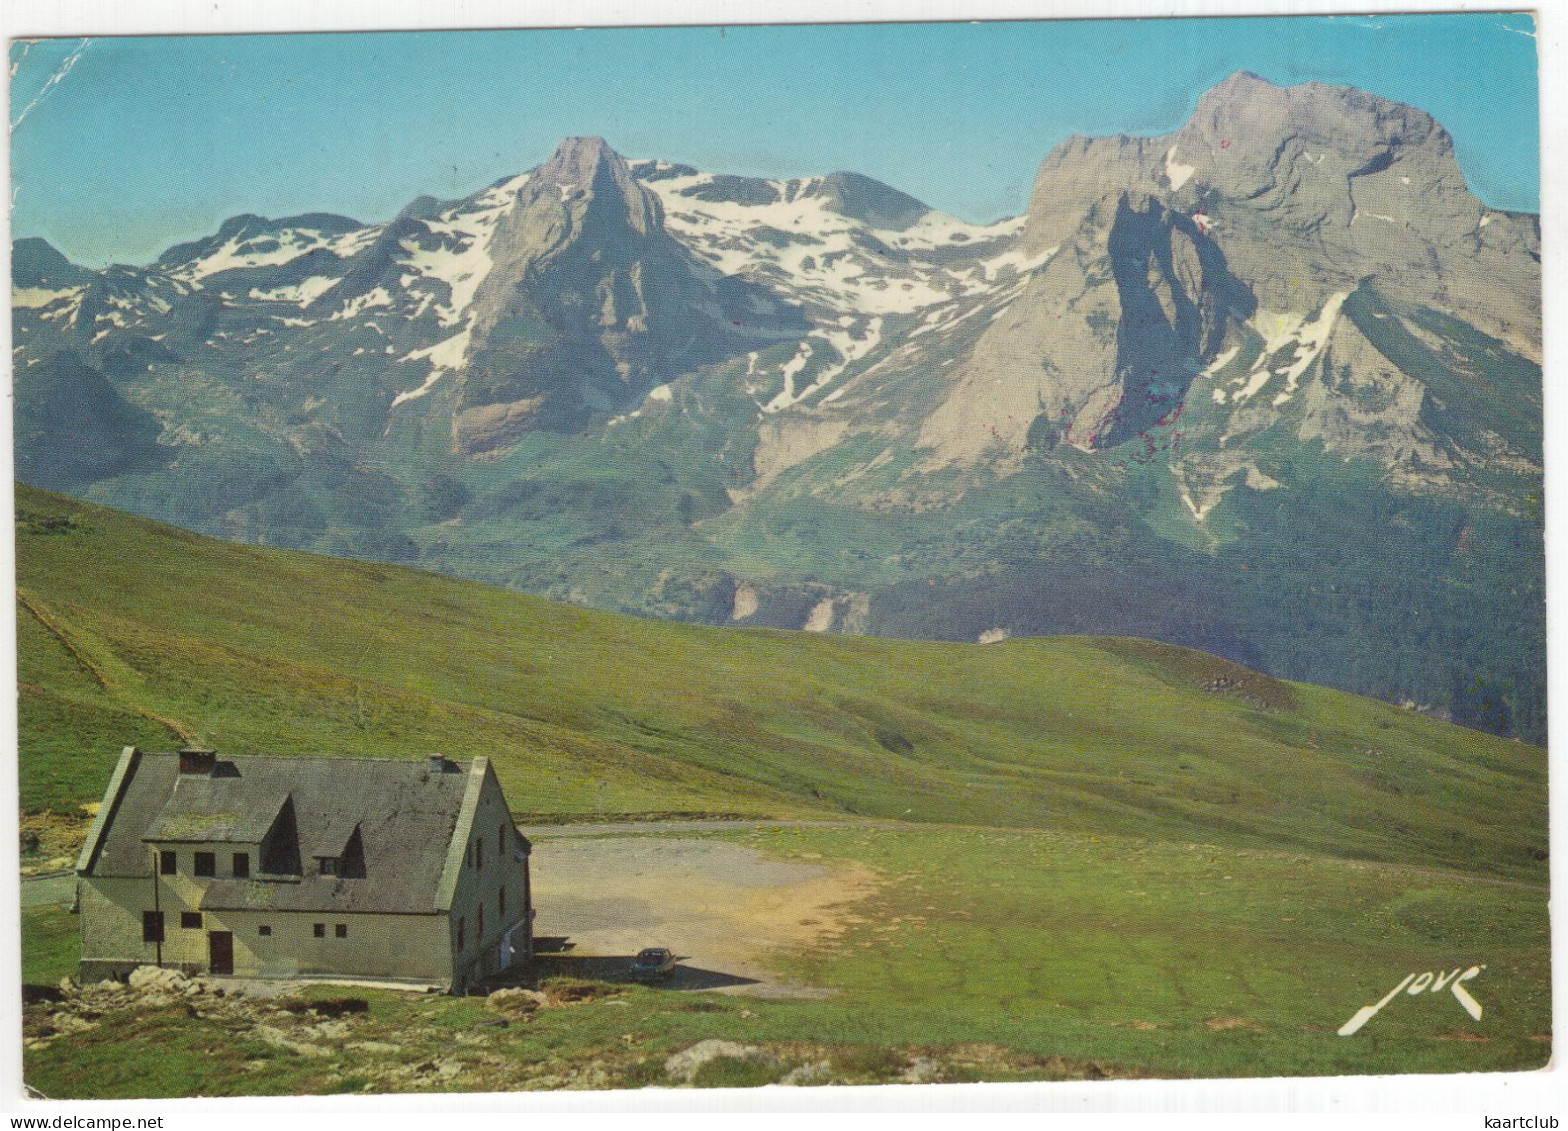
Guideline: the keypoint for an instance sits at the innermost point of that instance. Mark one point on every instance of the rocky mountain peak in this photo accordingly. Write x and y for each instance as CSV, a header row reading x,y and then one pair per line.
x,y
579,161
585,171
1271,168
1250,120
863,198
581,204
1238,85
589,303
35,262
1147,398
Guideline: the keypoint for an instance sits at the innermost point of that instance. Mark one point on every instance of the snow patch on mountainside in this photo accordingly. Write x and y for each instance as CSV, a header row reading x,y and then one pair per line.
x,y
1309,344
1291,343
446,356
350,244
939,230
791,369
267,250
301,294
659,394
357,305
1221,361
1199,512
1175,172
801,248
33,298
65,312
852,341
415,394
851,348
1009,269
462,260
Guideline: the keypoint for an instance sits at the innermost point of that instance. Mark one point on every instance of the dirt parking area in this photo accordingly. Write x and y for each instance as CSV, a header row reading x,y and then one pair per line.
x,y
722,908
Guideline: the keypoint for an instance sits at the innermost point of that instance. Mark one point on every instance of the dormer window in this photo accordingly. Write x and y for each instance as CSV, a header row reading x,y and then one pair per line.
x,y
347,864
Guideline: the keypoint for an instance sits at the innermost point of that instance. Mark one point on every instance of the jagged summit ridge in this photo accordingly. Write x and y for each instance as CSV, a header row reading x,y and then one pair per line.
x,y
1299,197
588,165
1298,150
815,402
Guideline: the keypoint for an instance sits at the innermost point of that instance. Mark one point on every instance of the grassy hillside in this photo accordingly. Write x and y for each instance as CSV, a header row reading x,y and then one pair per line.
x,y
135,632
982,955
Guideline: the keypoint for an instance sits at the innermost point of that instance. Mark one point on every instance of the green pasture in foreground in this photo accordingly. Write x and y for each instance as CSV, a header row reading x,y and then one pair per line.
x,y
50,945
992,954
1186,960
131,631
1138,860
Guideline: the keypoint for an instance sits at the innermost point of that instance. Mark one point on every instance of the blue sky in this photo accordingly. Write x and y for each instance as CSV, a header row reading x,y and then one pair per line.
x,y
150,140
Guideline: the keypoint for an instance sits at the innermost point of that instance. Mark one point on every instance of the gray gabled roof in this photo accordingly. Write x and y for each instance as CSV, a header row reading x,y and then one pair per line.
x,y
235,808
407,816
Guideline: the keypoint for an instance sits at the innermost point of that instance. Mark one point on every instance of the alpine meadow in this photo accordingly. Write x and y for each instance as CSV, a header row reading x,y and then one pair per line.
x,y
1102,642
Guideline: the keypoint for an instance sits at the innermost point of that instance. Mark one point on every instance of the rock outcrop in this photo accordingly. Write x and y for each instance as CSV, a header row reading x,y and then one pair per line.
x,y
1242,233
589,303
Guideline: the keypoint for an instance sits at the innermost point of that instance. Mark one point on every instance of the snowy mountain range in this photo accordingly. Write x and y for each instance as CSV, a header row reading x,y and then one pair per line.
x,y
1269,385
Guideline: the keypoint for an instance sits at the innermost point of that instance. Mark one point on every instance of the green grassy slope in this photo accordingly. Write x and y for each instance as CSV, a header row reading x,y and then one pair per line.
x,y
135,632
1189,960
989,954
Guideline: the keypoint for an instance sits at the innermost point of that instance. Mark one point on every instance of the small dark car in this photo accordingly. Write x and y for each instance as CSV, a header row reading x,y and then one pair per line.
x,y
652,964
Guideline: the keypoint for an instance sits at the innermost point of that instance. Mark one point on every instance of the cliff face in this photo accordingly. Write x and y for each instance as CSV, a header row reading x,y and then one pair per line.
x,y
588,303
1104,339
1268,385
1240,236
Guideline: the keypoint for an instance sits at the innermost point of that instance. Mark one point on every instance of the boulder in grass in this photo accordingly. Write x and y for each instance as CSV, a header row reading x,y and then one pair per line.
x,y
515,999
157,980
684,1064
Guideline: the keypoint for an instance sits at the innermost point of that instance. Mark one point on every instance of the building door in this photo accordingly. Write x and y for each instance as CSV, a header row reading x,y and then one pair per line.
x,y
220,952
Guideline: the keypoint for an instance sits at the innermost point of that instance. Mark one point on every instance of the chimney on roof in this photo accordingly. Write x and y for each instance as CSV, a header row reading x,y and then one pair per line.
x,y
440,765
195,760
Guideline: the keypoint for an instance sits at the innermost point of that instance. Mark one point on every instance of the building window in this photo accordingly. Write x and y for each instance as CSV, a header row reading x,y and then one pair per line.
x,y
460,934
241,865
479,855
264,930
479,928
319,930
468,857
152,926
190,920
502,907
341,930
166,862
329,865
206,864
